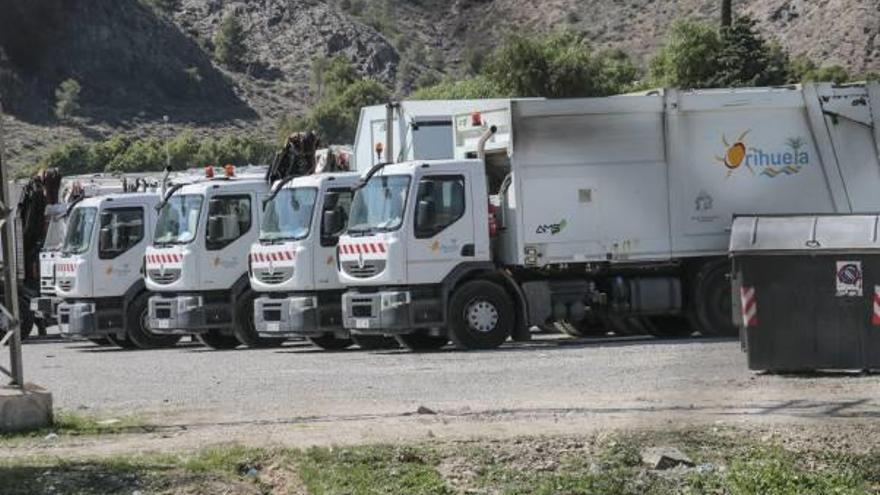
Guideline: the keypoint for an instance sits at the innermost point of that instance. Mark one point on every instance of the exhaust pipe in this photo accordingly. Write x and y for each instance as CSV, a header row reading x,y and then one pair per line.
x,y
481,144
165,181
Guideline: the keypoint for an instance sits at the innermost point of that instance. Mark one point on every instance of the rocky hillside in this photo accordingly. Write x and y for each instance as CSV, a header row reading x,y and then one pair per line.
x,y
136,63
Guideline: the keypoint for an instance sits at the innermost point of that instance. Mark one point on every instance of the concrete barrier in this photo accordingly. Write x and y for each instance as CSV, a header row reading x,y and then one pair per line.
x,y
22,410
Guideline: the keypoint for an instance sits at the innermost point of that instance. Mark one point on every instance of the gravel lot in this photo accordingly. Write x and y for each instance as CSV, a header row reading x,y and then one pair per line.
x,y
552,385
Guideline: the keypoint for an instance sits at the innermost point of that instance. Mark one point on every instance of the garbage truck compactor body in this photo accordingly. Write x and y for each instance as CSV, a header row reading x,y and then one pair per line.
x,y
597,214
197,263
99,271
293,265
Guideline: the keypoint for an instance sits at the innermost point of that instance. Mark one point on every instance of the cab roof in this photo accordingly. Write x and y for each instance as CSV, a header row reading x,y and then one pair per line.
x,y
122,199
342,178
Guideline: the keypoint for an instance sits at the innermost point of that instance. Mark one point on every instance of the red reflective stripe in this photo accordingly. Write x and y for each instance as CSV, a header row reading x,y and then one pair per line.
x,y
260,257
382,247
289,255
275,257
357,247
875,319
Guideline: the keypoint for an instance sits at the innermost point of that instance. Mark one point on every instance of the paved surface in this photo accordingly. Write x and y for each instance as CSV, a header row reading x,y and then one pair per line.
x,y
548,374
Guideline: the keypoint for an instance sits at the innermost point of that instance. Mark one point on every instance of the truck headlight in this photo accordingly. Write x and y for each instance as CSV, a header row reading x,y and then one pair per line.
x,y
394,299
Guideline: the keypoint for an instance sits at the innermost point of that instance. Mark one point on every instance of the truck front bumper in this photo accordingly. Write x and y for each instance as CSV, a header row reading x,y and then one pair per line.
x,y
78,320
289,317
45,307
177,315
384,312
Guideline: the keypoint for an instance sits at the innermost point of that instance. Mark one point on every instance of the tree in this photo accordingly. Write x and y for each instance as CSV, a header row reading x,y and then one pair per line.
x,y
338,76
726,13
67,99
560,65
229,47
802,69
746,59
466,89
688,58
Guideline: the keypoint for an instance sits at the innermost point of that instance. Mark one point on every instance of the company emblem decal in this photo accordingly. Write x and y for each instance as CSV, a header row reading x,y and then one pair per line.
x,y
849,278
552,228
789,159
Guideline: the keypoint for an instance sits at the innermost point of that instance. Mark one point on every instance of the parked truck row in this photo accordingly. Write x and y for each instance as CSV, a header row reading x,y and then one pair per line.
x,y
591,215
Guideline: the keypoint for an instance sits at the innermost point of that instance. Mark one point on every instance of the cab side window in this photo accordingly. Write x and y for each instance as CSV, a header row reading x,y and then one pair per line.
x,y
341,206
440,203
229,217
121,229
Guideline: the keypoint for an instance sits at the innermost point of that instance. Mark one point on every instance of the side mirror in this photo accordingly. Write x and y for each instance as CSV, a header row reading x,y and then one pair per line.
x,y
106,217
105,238
331,223
331,199
215,228
214,206
427,214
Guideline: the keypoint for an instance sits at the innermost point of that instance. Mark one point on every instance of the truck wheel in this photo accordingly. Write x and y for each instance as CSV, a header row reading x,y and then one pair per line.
x,y
218,341
138,330
712,300
121,343
26,316
374,342
421,341
480,315
329,342
245,330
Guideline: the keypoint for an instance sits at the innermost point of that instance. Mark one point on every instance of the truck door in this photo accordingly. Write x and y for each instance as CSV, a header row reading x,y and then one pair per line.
x,y
442,230
121,245
227,240
326,276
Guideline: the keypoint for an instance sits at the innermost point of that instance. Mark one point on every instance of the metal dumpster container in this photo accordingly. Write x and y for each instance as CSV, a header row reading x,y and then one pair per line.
x,y
806,291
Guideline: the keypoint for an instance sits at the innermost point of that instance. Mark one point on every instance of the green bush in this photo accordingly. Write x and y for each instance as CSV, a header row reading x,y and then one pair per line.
x,y
67,99
229,46
688,56
465,89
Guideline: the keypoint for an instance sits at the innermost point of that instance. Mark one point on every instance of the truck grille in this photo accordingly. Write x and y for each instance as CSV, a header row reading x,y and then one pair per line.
x,y
171,275
369,269
65,284
274,277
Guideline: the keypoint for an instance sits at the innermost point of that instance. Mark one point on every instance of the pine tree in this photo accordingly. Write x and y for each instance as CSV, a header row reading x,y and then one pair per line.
x,y
229,47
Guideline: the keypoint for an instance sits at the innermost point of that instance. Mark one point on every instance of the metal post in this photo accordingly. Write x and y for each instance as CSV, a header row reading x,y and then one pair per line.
x,y
12,334
167,138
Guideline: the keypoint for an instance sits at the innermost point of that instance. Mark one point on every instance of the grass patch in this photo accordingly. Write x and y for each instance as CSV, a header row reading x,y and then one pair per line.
x,y
68,423
727,462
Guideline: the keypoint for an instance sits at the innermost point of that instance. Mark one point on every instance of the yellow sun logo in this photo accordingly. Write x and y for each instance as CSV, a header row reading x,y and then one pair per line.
x,y
435,246
735,154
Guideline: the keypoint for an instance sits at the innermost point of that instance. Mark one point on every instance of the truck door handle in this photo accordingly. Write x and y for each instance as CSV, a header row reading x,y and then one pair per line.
x,y
467,250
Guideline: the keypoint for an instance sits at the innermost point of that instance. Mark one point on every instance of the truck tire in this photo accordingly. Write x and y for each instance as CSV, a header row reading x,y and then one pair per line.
x,y
330,342
375,342
217,340
712,300
138,331
480,315
122,343
421,341
245,330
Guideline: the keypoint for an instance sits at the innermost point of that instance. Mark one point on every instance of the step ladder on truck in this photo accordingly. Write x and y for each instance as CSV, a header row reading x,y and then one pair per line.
x,y
599,214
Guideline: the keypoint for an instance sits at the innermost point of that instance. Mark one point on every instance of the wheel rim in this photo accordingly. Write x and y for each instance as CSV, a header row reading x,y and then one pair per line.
x,y
145,320
481,315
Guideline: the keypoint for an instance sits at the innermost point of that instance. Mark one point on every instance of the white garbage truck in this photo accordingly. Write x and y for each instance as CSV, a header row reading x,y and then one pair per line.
x,y
197,264
99,271
293,265
600,213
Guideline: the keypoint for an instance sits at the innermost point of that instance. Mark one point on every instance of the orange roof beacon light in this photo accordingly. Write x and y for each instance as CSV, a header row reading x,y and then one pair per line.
x,y
229,170
379,149
476,119
209,171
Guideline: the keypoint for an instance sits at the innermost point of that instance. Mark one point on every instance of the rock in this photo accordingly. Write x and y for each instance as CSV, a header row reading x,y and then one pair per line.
x,y
665,458
425,410
51,436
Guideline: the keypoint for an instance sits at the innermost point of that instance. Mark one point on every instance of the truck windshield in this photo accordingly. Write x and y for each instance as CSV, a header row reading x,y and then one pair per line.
x,y
379,206
55,233
289,215
178,219
79,231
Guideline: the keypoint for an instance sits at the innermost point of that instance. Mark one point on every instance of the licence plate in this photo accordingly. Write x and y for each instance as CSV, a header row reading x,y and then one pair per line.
x,y
273,326
163,323
362,323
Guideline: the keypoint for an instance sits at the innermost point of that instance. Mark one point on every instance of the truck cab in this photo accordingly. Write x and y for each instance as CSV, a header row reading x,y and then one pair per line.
x,y
99,271
293,265
45,306
418,232
197,263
